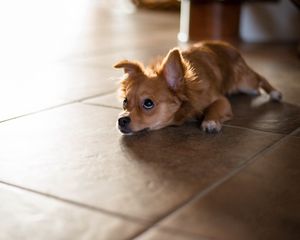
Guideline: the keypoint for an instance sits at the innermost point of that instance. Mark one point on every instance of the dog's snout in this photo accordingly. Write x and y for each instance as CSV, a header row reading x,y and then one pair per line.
x,y
124,121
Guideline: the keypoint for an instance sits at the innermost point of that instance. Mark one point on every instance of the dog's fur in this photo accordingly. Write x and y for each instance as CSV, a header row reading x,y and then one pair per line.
x,y
187,84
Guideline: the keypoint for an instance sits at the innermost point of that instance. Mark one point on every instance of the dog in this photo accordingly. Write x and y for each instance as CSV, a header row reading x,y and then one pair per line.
x,y
187,84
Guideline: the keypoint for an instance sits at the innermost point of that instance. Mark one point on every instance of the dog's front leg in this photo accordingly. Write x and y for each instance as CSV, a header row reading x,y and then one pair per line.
x,y
215,114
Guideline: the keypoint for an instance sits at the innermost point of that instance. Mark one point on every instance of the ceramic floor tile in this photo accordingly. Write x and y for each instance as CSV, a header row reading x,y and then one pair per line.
x,y
90,27
122,47
46,86
261,202
261,114
126,31
108,100
145,55
75,152
27,215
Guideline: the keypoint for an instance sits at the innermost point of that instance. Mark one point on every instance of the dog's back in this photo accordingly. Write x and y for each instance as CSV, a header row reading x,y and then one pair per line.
x,y
220,64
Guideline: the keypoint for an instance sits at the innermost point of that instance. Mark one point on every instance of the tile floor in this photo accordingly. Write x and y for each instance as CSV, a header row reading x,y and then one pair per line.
x,y
66,172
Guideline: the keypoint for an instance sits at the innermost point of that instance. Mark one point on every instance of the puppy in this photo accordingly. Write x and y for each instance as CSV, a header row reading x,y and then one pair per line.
x,y
187,84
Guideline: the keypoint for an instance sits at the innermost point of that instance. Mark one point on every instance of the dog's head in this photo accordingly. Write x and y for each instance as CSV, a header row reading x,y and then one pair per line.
x,y
151,96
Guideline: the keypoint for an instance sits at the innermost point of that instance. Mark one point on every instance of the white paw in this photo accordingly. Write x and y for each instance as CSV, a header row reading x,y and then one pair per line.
x,y
211,126
276,96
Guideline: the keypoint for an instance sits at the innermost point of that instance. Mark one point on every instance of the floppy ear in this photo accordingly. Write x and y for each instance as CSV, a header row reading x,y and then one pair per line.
x,y
130,67
173,69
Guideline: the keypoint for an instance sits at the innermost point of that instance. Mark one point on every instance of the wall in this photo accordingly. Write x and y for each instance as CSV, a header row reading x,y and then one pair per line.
x,y
265,22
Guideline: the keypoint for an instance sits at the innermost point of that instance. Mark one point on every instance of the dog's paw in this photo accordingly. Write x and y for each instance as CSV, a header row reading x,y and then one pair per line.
x,y
211,126
276,96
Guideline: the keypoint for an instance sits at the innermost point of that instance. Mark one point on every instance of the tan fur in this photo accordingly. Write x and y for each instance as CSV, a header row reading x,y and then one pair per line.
x,y
188,84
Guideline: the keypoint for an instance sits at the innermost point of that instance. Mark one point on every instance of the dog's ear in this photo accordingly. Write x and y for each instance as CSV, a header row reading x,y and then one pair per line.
x,y
130,67
173,69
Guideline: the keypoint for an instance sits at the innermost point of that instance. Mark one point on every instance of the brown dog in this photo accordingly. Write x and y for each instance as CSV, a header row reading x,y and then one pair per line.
x,y
187,84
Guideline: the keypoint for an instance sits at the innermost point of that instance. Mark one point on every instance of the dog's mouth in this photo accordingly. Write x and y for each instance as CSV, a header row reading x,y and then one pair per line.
x,y
128,131
125,130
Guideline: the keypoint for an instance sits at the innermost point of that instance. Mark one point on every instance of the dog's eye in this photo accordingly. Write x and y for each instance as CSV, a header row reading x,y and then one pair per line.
x,y
148,104
125,102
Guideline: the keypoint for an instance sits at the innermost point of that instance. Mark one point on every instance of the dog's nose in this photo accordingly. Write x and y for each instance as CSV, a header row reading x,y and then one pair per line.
x,y
124,121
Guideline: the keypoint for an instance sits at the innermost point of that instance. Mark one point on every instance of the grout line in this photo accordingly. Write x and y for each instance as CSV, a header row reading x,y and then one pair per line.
x,y
96,95
78,204
254,129
185,234
209,189
101,105
260,130
38,111
88,55
55,106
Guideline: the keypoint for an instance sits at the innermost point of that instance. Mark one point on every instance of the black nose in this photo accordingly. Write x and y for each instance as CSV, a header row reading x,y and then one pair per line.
x,y
124,121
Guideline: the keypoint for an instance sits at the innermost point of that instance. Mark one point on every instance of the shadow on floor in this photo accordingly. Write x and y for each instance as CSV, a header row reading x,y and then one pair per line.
x,y
262,114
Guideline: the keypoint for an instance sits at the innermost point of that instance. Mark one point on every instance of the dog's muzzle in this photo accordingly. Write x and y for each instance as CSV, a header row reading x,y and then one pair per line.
x,y
123,124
